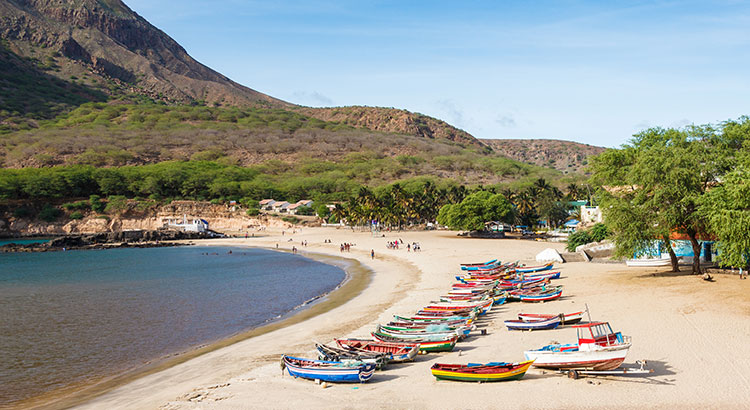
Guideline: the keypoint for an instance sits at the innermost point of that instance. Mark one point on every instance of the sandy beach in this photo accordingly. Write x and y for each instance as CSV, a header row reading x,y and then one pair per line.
x,y
693,333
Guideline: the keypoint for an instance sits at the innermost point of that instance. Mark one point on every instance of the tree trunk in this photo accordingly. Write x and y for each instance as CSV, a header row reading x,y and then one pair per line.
x,y
696,253
672,256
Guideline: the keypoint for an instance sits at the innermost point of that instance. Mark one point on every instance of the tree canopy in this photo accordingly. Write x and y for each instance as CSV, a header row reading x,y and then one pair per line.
x,y
665,181
476,209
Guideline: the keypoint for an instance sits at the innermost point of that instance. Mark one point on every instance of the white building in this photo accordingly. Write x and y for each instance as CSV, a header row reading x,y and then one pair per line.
x,y
590,215
186,224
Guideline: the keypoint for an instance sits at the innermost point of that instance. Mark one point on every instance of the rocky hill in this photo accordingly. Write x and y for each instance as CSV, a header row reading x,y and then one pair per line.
x,y
112,42
565,156
102,50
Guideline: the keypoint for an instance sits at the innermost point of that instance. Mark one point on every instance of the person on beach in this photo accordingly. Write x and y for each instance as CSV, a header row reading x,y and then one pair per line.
x,y
372,253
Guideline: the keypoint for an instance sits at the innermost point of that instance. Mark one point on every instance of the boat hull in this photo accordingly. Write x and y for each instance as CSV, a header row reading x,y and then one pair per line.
x,y
534,325
468,374
604,358
327,371
425,346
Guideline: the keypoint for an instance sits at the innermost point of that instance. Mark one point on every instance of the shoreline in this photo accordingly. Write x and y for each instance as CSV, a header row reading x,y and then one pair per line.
x,y
357,277
673,320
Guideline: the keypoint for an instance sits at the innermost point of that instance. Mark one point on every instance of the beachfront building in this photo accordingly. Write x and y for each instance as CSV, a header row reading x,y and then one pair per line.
x,y
280,206
266,204
295,207
186,224
590,215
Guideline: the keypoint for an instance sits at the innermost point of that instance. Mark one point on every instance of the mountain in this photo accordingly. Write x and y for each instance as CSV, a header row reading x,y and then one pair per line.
x,y
95,71
565,156
102,46
114,42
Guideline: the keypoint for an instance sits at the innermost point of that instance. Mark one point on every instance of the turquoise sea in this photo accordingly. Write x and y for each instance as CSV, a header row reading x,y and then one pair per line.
x,y
74,317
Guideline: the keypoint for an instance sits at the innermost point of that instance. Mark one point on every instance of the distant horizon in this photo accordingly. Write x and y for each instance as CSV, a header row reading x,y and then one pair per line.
x,y
574,71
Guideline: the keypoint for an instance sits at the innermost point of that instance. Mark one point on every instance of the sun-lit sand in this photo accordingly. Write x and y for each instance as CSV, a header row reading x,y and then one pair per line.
x,y
694,334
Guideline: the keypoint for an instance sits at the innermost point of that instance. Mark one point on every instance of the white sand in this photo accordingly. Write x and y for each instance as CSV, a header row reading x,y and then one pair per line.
x,y
695,334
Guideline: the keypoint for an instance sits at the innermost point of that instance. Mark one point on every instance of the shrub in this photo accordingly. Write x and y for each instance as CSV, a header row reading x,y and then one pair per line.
x,y
76,215
290,219
97,205
599,232
70,206
49,213
22,212
305,210
577,239
252,212
116,203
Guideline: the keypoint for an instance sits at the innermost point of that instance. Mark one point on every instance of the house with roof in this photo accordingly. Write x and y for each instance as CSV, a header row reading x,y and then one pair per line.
x,y
266,204
186,224
279,206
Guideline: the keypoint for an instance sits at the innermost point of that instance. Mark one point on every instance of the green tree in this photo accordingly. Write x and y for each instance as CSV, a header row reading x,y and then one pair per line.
x,y
657,184
475,210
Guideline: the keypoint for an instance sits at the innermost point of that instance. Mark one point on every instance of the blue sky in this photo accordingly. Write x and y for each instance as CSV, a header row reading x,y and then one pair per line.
x,y
589,71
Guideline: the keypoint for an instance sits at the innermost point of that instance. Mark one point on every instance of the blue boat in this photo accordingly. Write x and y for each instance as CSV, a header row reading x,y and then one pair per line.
x,y
335,372
529,269
550,323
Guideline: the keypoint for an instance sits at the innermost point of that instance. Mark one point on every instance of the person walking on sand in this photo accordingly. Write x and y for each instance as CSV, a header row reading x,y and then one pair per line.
x,y
372,253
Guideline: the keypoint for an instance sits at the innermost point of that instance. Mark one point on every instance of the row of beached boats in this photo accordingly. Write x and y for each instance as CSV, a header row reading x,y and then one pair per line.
x,y
443,323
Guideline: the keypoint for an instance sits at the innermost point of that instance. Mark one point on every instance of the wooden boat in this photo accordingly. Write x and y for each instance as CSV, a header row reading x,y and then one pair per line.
x,y
493,262
545,324
565,319
421,324
530,269
421,333
474,372
655,262
399,352
436,319
328,371
337,354
543,297
425,345
431,314
598,348
461,330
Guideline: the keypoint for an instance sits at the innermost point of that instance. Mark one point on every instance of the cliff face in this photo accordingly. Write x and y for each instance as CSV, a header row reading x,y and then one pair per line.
x,y
220,218
113,40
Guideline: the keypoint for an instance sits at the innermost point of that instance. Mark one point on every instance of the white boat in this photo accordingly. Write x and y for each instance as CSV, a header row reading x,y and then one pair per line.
x,y
598,348
648,262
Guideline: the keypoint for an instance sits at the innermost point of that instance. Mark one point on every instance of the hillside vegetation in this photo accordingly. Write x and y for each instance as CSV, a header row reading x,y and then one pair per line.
x,y
565,156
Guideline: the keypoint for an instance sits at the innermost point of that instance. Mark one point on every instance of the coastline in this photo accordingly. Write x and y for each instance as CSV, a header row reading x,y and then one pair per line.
x,y
357,277
675,321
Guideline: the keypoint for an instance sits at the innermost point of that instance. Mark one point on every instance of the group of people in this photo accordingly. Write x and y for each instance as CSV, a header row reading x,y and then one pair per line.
x,y
345,247
414,246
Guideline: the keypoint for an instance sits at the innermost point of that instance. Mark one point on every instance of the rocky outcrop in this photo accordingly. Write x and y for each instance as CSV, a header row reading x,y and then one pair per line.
x,y
396,121
140,239
565,156
221,218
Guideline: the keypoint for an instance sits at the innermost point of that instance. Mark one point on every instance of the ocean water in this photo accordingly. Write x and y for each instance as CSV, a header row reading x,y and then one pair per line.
x,y
22,241
68,318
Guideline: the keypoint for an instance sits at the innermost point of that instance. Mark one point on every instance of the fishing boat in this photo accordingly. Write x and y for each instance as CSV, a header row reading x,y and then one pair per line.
x,y
493,262
337,354
425,345
422,333
435,319
475,372
546,324
565,319
654,262
439,329
399,352
328,371
530,269
598,348
542,297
